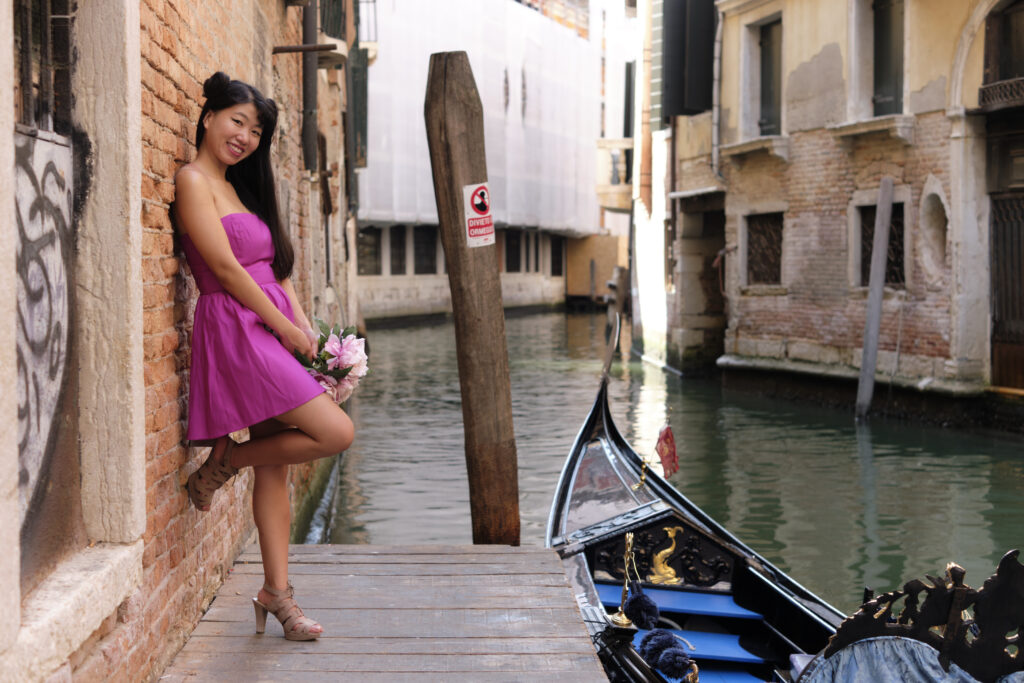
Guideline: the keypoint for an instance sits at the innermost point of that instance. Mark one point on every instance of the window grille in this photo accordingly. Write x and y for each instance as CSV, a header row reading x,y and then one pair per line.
x,y
894,267
397,249
368,246
770,121
332,18
764,249
888,64
424,249
42,47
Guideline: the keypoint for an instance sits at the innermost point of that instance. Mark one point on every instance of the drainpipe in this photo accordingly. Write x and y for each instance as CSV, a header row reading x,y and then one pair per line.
x,y
309,60
716,98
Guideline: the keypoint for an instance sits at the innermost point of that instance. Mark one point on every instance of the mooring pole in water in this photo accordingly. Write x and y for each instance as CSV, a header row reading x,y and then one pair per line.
x,y
876,283
455,137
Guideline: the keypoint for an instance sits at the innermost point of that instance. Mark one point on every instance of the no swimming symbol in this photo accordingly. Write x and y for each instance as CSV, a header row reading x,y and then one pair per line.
x,y
477,209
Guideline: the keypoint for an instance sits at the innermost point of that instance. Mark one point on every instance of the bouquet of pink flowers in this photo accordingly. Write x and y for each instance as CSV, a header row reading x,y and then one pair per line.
x,y
339,361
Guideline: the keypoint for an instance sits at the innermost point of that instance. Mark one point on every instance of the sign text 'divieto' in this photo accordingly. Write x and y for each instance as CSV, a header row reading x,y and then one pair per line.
x,y
476,200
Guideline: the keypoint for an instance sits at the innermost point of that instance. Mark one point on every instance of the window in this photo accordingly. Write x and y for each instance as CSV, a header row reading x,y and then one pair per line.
x,y
888,57
398,250
770,121
557,251
527,237
764,249
368,251
42,45
657,39
536,253
424,249
894,270
513,250
1004,59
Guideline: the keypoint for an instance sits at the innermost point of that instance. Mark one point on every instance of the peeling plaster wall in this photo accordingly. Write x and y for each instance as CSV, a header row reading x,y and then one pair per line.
x,y
816,91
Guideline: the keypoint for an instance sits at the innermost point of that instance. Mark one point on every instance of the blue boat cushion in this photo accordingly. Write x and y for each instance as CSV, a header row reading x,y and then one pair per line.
x,y
685,602
723,647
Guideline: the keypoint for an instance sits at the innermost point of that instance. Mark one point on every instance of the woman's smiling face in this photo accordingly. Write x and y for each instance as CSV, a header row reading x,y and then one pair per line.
x,y
233,133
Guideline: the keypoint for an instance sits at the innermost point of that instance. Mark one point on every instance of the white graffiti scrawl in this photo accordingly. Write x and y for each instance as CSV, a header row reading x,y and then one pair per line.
x,y
43,196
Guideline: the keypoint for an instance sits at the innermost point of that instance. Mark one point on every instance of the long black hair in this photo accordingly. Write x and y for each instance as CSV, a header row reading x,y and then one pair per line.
x,y
252,177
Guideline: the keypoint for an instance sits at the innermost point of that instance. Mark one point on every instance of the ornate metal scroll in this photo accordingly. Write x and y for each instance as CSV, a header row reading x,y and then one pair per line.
x,y
667,553
987,645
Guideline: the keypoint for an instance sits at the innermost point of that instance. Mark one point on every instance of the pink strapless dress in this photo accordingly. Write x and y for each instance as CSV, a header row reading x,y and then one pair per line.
x,y
241,374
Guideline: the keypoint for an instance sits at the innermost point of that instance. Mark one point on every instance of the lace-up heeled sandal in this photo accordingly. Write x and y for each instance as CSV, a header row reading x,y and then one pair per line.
x,y
210,476
296,625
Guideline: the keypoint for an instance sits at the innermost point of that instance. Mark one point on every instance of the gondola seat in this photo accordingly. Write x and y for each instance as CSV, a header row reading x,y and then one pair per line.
x,y
681,601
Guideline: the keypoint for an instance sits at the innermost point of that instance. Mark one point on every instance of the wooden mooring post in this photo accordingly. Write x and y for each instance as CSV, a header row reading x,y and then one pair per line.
x,y
455,137
876,285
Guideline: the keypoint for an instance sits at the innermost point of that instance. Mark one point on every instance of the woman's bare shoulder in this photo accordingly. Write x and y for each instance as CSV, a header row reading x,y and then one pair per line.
x,y
193,196
190,179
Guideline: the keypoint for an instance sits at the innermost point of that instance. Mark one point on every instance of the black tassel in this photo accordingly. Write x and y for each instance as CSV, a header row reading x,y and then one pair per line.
x,y
654,643
640,609
674,662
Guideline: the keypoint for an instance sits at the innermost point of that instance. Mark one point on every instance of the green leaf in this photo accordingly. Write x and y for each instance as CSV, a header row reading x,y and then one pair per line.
x,y
339,373
351,329
302,359
324,329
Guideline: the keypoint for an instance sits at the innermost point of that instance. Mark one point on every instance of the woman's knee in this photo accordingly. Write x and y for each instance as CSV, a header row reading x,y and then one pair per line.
x,y
339,434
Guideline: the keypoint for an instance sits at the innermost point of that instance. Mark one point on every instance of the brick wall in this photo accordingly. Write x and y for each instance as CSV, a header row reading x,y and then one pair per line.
x,y
820,308
187,554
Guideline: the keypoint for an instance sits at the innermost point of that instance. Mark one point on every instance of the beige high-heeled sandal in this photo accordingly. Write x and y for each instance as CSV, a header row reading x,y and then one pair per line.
x,y
210,476
296,625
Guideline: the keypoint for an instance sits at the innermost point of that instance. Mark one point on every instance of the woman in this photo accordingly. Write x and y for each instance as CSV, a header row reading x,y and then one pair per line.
x,y
248,322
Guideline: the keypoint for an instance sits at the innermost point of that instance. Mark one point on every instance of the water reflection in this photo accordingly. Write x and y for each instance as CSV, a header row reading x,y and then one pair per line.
x,y
837,506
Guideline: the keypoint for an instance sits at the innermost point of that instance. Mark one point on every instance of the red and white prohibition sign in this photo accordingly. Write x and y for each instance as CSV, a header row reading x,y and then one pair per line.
x,y
479,223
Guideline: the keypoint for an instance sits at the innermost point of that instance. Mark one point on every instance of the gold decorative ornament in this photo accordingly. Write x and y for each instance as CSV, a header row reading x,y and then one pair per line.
x,y
620,618
661,572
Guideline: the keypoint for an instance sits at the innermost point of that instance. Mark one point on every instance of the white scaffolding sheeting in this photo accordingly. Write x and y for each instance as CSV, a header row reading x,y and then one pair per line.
x,y
540,142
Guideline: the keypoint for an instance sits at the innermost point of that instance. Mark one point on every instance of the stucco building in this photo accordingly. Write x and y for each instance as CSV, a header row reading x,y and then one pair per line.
x,y
759,174
539,69
105,567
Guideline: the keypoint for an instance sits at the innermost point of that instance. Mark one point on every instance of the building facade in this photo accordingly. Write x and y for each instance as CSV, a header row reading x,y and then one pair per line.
x,y
108,567
765,168
538,70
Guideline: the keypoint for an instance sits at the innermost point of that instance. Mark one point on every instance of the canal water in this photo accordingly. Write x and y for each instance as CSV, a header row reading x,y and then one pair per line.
x,y
837,506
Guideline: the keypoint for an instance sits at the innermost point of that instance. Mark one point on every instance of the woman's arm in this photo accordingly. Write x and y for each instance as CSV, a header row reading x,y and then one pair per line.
x,y
197,214
300,317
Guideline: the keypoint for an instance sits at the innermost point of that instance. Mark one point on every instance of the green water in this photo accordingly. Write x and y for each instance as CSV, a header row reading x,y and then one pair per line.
x,y
836,506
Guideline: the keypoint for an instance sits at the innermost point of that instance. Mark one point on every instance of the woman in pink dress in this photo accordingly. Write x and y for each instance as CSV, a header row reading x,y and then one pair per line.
x,y
248,322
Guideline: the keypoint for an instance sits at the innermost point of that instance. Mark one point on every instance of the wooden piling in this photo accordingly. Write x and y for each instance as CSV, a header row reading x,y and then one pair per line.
x,y
876,284
455,137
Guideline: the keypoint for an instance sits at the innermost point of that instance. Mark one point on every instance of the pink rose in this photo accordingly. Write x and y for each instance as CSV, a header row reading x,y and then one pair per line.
x,y
329,384
353,354
345,388
333,346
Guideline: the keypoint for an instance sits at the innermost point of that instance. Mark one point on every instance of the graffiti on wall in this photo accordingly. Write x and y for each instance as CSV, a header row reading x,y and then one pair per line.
x,y
43,197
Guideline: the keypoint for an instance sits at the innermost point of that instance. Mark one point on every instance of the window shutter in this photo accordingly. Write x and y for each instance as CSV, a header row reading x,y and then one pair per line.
x,y
687,56
657,33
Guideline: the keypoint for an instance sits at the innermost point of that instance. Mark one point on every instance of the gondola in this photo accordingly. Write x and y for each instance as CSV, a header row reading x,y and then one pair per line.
x,y
615,519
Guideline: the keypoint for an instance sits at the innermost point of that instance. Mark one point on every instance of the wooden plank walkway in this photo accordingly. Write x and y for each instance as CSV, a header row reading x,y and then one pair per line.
x,y
410,613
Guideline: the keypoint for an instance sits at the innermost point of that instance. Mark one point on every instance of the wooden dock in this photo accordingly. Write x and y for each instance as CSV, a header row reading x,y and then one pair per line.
x,y
412,613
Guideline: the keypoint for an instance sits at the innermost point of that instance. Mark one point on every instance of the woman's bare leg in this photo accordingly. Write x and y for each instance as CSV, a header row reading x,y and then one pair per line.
x,y
321,429
272,513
